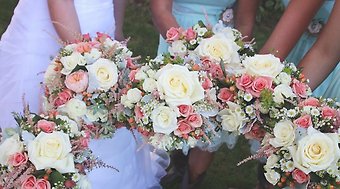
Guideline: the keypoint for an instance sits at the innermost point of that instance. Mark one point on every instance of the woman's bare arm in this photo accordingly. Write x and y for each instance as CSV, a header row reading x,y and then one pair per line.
x,y
119,12
64,18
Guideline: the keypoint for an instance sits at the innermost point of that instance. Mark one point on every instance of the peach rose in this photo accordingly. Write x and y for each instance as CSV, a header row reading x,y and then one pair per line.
x,y
225,95
244,82
42,184
172,34
18,159
328,112
46,126
185,110
183,129
207,84
63,97
311,101
77,81
299,88
260,84
194,120
304,121
83,47
300,176
190,34
29,182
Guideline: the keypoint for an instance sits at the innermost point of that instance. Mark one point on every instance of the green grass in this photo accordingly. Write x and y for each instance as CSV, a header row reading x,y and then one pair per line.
x,y
223,172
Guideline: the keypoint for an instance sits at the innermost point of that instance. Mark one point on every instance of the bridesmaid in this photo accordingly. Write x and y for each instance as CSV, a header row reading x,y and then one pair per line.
x,y
186,13
303,21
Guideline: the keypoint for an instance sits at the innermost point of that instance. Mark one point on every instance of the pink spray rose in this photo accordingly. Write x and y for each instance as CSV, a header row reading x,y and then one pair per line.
x,y
132,75
299,88
256,132
29,182
172,34
300,176
225,95
207,64
185,110
216,71
190,34
207,84
311,101
304,121
138,112
194,120
183,129
77,81
18,159
244,82
46,126
63,97
328,112
260,84
42,184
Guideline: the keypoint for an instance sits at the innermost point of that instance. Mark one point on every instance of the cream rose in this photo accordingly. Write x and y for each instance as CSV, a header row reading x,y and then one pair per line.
x,y
92,56
284,133
177,85
149,85
232,117
75,108
316,151
272,162
52,150
72,125
164,120
219,47
263,65
103,74
70,62
177,48
9,147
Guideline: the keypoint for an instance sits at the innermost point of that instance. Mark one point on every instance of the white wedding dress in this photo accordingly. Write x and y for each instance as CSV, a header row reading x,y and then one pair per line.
x,y
25,51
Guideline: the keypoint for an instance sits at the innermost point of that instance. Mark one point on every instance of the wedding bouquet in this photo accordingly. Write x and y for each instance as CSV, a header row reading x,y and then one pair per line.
x,y
45,152
84,82
167,102
299,133
303,145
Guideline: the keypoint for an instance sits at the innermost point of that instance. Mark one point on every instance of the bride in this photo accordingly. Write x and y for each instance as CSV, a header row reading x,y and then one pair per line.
x,y
25,50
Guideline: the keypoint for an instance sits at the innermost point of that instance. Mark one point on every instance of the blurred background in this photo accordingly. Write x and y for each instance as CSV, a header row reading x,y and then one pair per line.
x,y
223,173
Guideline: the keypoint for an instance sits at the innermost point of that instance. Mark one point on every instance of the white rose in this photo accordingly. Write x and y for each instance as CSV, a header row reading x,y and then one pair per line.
x,y
272,161
226,31
284,133
263,65
74,129
92,56
151,73
284,78
218,48
97,115
103,74
178,85
317,151
52,150
272,176
9,147
109,43
70,47
149,85
164,120
177,48
70,62
75,108
281,92
232,117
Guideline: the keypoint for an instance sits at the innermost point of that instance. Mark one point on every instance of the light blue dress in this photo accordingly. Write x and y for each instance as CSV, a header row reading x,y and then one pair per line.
x,y
330,87
189,12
